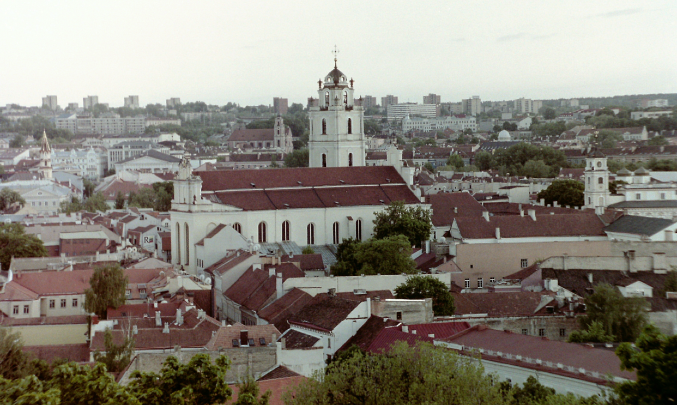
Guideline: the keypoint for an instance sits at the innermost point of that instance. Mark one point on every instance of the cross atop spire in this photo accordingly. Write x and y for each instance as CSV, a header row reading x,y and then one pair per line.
x,y
335,52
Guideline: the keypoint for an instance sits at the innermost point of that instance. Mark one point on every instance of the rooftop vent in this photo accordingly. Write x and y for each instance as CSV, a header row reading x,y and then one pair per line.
x,y
342,182
359,291
253,185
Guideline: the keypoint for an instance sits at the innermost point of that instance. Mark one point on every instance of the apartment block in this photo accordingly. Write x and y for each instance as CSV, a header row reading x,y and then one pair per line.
x,y
132,102
432,99
89,102
280,105
472,106
50,102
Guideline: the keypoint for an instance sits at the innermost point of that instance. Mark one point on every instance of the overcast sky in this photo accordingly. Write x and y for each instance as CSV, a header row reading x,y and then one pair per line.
x,y
250,51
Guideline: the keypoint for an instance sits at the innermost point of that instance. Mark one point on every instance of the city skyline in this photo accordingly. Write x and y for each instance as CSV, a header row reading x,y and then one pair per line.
x,y
247,53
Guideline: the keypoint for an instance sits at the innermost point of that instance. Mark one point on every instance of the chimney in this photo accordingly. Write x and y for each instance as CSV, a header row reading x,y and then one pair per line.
x,y
200,314
166,328
135,329
332,292
455,210
271,270
554,204
590,278
158,320
668,236
485,214
405,328
431,335
532,214
244,338
179,318
427,246
498,233
278,286
659,262
284,343
599,210
543,202
521,212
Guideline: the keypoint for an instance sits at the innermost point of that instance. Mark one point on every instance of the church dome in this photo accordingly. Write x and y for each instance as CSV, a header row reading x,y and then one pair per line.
x,y
336,78
504,136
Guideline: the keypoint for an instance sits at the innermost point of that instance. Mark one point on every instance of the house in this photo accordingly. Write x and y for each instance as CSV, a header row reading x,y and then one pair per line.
x,y
150,161
636,228
75,239
209,249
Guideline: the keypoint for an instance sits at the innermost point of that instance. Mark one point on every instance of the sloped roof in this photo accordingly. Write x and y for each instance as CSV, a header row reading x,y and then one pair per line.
x,y
280,310
638,225
443,205
152,154
324,313
577,281
585,224
252,135
389,336
255,287
224,336
306,261
228,262
364,337
499,304
298,340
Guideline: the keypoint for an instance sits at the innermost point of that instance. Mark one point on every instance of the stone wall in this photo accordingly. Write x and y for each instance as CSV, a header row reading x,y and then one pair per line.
x,y
411,311
532,324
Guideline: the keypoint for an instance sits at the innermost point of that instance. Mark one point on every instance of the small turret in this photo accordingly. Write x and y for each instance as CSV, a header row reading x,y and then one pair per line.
x,y
45,167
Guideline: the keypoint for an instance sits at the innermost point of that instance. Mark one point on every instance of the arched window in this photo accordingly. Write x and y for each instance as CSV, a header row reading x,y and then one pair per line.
x,y
589,179
335,232
285,231
345,97
187,244
324,160
358,229
350,159
324,126
178,243
589,200
237,227
326,98
262,232
311,234
600,180
350,126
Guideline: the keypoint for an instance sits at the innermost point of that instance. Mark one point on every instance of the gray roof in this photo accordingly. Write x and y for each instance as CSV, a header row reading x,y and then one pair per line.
x,y
154,154
638,225
646,204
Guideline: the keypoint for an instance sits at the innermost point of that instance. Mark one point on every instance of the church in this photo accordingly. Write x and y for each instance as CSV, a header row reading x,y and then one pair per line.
x,y
333,199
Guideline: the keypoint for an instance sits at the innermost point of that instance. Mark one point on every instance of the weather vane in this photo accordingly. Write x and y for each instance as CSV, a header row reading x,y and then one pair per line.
x,y
335,52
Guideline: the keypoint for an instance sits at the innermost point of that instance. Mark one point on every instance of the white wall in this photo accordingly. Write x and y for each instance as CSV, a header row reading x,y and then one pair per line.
x,y
316,285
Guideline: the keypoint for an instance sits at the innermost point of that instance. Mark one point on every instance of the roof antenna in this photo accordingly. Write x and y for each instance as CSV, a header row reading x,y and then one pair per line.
x,y
335,52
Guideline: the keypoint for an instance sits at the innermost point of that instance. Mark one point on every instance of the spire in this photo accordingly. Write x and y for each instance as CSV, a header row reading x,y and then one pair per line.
x,y
335,52
45,143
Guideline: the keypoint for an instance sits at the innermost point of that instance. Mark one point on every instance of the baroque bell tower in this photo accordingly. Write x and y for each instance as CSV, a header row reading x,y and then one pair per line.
x,y
336,123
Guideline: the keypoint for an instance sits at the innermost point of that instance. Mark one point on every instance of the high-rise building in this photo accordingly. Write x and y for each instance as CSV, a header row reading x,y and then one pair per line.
x,y
49,102
336,134
89,102
388,100
472,106
524,106
280,105
369,101
73,106
432,99
132,102
399,111
173,102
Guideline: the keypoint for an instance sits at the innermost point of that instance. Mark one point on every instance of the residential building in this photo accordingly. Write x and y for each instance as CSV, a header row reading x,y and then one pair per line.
x,y
646,103
128,149
50,102
154,121
280,105
87,163
89,102
72,239
173,102
369,101
12,156
432,99
472,106
132,102
399,111
457,123
524,106
336,124
388,100
636,115
106,124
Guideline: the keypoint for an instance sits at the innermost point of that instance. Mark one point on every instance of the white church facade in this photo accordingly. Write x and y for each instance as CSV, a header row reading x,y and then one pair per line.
x,y
334,199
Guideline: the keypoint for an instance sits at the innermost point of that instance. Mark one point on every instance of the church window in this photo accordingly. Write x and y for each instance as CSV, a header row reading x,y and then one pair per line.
x,y
178,243
599,164
326,99
324,160
600,180
311,234
638,196
662,196
350,126
278,143
345,97
262,232
350,159
358,229
187,245
589,179
285,231
237,227
324,126
335,231
589,200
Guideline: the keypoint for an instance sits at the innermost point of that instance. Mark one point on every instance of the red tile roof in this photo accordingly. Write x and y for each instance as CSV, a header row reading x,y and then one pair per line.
x,y
306,262
277,386
368,332
441,330
500,304
297,340
55,282
324,313
443,205
568,354
224,336
585,224
279,372
389,336
279,311
228,262
255,288
252,135
78,353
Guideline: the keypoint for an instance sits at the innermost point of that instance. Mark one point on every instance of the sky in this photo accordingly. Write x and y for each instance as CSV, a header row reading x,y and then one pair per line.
x,y
251,51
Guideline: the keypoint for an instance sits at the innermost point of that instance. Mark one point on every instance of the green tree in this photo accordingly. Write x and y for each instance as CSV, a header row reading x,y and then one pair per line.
x,y
594,334
298,158
658,141
68,207
199,382
28,390
13,361
613,185
88,187
484,160
96,202
9,197
654,359
371,127
565,192
164,193
418,287
549,114
537,169
390,255
248,393
429,166
119,201
670,284
107,289
406,375
14,242
18,141
621,317
307,250
456,161
414,223
116,357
